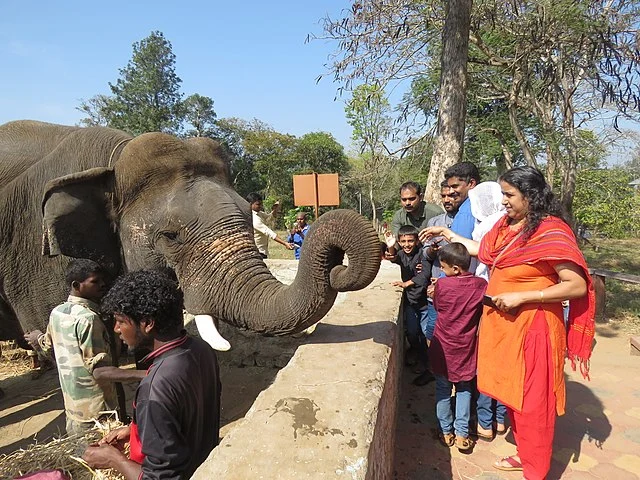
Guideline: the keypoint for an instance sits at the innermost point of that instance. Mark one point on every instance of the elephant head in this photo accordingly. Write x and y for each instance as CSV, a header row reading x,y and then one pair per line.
x,y
168,202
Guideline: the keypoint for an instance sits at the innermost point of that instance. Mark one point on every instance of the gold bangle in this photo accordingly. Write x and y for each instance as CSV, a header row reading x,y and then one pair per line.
x,y
541,296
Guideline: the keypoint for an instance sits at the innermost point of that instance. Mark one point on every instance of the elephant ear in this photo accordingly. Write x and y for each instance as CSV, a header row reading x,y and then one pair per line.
x,y
77,218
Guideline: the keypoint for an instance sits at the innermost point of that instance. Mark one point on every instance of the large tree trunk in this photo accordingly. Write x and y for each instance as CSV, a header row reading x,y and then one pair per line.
x,y
449,143
571,162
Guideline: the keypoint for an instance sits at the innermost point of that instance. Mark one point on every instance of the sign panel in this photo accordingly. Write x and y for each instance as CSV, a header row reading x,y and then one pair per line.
x,y
316,190
328,189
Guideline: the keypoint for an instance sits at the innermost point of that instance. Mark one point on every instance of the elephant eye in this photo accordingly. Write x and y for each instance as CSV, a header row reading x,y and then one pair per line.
x,y
173,236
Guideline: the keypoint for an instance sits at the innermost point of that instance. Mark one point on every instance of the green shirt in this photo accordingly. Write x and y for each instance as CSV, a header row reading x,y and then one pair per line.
x,y
80,342
425,212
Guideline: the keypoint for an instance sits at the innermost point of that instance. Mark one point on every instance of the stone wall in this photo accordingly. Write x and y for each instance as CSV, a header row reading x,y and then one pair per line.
x,y
331,411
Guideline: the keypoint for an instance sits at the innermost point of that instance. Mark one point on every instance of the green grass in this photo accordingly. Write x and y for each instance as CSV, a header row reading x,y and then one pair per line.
x,y
277,251
623,299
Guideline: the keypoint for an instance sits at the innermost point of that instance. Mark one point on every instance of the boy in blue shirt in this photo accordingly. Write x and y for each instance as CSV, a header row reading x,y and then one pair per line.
x,y
415,271
298,233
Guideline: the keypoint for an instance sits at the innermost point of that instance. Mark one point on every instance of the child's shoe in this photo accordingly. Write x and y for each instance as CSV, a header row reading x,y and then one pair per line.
x,y
463,444
447,439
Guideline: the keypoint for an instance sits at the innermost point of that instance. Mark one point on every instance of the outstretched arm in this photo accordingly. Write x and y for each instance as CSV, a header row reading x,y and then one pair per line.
x,y
430,232
115,374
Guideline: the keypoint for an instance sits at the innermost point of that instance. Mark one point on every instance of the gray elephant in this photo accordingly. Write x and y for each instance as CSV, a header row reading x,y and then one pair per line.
x,y
148,202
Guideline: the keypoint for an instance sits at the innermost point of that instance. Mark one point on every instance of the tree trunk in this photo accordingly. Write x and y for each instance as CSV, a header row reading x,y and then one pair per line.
x,y
569,174
374,214
449,143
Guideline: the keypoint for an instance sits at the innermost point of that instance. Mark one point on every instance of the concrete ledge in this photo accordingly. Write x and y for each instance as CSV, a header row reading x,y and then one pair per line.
x,y
635,345
330,412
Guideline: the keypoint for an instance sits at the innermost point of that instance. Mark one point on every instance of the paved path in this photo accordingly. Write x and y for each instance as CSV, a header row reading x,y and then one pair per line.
x,y
598,437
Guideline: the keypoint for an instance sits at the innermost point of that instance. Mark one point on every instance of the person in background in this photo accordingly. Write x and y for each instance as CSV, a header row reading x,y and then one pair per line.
x,y
452,354
263,224
451,202
461,178
415,211
487,209
415,272
79,340
535,264
176,412
298,233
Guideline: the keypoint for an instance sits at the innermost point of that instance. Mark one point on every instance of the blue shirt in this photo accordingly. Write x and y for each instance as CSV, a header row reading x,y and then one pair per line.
x,y
464,221
297,240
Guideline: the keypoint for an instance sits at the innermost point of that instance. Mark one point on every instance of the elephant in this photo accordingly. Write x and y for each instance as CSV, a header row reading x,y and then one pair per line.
x,y
156,201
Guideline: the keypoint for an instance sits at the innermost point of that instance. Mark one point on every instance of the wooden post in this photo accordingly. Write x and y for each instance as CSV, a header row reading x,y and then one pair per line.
x,y
317,200
599,286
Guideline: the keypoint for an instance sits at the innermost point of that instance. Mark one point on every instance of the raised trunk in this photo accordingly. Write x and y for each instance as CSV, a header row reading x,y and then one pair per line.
x,y
237,287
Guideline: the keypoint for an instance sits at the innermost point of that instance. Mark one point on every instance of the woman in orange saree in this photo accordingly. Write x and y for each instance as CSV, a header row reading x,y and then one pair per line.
x,y
535,264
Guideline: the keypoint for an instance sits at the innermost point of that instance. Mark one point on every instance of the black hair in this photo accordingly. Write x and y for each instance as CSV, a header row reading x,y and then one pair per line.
x,y
444,184
79,269
254,197
147,295
455,254
466,171
411,186
542,202
407,230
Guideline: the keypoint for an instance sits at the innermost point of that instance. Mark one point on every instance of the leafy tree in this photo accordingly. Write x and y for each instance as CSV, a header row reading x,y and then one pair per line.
x,y
146,97
199,115
271,153
319,152
368,113
605,204
95,108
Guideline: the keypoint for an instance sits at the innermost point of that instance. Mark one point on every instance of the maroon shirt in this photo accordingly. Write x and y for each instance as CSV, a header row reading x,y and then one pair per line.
x,y
458,302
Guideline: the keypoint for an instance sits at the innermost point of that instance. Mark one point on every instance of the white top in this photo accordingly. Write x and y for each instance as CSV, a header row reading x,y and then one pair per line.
x,y
487,208
261,231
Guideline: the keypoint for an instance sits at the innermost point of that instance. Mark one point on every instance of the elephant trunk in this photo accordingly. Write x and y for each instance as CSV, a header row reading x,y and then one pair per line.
x,y
249,297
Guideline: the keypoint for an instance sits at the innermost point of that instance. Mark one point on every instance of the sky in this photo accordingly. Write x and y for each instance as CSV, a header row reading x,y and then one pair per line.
x,y
250,58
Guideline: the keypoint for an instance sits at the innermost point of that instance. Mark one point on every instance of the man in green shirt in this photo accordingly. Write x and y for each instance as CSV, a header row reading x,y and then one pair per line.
x,y
415,211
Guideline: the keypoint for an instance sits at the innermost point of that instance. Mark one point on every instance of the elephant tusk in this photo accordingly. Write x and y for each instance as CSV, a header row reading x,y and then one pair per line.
x,y
209,333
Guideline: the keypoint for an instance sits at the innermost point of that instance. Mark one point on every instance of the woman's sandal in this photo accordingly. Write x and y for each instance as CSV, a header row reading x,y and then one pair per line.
x,y
447,439
485,434
463,443
501,429
508,464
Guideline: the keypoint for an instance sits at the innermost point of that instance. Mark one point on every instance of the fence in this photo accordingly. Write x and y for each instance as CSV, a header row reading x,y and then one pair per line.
x,y
599,277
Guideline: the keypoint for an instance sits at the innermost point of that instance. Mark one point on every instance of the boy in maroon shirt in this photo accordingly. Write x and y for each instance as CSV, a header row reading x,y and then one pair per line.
x,y
452,354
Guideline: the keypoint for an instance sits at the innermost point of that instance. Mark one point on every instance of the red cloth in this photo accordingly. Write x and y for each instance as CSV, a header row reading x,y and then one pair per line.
x,y
552,241
135,445
534,425
458,302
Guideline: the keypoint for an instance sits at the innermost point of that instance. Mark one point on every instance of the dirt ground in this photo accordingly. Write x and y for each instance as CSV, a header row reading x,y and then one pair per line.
x,y
32,408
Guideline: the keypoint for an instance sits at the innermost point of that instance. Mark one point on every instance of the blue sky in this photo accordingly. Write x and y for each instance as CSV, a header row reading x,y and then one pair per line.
x,y
249,57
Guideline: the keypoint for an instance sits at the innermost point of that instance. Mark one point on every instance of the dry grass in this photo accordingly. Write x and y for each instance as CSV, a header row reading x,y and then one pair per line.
x,y
60,454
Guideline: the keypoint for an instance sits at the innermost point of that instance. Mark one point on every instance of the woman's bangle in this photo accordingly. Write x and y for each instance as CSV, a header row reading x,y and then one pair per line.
x,y
541,296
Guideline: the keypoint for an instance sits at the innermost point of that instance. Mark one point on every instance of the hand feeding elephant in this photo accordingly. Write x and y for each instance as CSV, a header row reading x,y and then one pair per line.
x,y
155,201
